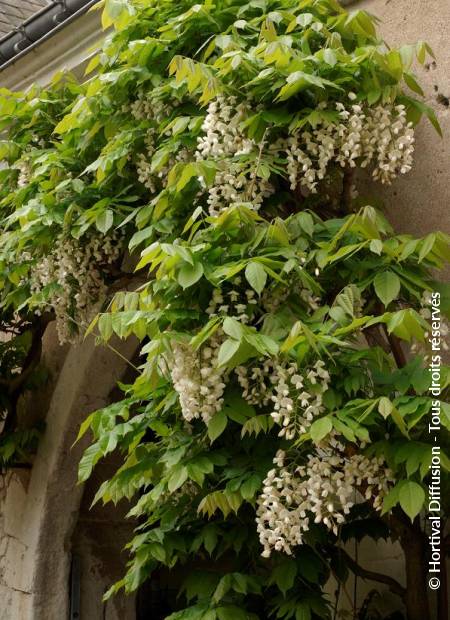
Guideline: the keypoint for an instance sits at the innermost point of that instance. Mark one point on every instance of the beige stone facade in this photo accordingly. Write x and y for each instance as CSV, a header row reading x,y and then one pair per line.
x,y
419,202
45,519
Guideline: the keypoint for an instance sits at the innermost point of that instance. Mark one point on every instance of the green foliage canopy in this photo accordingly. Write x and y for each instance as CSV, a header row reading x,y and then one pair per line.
x,y
346,288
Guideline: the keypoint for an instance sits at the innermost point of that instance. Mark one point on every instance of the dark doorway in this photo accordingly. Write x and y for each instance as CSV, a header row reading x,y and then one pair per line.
x,y
156,598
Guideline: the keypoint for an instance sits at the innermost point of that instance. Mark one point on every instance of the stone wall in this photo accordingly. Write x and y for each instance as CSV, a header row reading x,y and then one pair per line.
x,y
40,508
418,203
13,491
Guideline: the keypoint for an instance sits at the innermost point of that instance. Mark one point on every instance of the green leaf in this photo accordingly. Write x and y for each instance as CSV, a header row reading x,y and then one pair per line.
x,y
226,502
284,575
406,324
117,13
411,497
231,612
263,344
346,250
427,246
205,333
387,286
256,276
376,246
85,426
257,424
189,274
104,221
303,612
320,429
88,461
217,425
344,430
105,326
228,348
195,215
233,328
140,236
391,498
422,108
223,587
188,172
250,487
385,407
306,222
177,479
411,82
179,124
210,538
157,551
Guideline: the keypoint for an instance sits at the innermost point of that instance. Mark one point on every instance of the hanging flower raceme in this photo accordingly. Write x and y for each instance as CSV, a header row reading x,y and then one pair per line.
x,y
25,170
226,142
236,303
322,490
152,109
294,395
70,280
379,136
197,379
196,376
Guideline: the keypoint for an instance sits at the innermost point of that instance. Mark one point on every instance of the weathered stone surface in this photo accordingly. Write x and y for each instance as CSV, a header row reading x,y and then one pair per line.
x,y
35,565
418,202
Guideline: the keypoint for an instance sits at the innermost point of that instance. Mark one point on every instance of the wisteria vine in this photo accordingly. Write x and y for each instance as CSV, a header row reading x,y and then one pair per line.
x,y
202,191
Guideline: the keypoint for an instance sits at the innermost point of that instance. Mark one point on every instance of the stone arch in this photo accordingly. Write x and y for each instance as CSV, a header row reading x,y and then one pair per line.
x,y
42,505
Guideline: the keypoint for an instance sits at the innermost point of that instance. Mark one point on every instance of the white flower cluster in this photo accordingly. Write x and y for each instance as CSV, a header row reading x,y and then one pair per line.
x,y
145,107
76,269
197,380
321,491
148,177
223,141
157,111
362,135
143,164
232,303
274,296
379,135
24,168
295,397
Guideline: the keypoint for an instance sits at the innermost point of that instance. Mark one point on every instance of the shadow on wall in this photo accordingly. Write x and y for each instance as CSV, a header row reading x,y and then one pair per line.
x,y
40,509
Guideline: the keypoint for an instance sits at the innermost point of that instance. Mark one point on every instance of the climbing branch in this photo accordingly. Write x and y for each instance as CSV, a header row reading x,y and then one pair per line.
x,y
394,586
396,348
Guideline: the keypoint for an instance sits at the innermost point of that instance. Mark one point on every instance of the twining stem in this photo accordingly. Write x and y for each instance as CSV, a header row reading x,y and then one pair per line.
x,y
410,535
394,586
